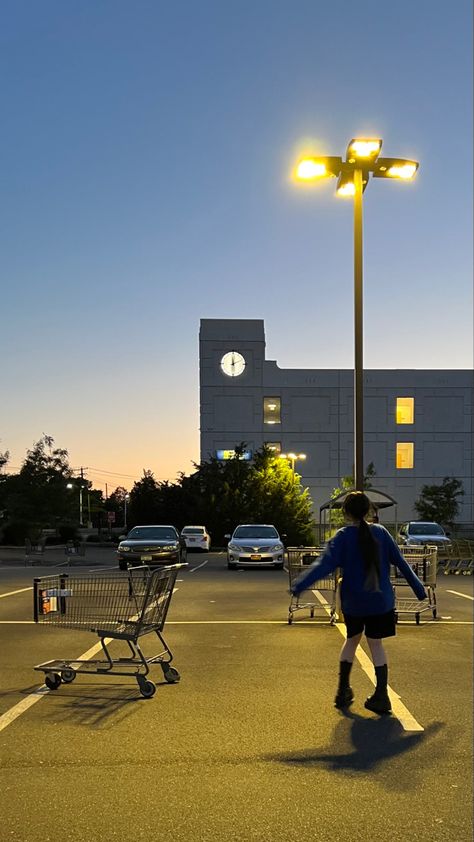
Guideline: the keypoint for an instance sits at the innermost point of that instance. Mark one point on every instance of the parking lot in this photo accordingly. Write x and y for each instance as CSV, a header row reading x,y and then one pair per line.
x,y
248,745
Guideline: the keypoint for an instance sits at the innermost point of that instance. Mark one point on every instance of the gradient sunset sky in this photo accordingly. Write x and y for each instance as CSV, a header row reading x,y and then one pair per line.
x,y
145,158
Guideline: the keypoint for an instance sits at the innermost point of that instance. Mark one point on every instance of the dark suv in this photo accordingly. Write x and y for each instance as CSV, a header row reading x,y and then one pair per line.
x,y
151,545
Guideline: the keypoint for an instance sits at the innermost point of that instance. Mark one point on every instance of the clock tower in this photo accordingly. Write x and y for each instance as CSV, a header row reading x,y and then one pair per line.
x,y
231,362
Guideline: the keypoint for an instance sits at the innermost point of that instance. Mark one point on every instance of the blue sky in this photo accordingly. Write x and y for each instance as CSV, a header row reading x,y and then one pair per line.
x,y
146,149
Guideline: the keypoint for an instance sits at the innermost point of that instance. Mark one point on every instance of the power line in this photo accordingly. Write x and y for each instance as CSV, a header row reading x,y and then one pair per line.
x,y
112,473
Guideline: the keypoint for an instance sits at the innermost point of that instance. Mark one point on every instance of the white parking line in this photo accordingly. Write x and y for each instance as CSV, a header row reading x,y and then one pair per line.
x,y
399,710
12,593
456,593
199,565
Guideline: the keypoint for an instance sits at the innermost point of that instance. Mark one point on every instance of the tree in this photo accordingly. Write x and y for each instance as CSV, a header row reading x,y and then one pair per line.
x,y
116,503
440,503
144,505
221,494
347,484
275,496
37,496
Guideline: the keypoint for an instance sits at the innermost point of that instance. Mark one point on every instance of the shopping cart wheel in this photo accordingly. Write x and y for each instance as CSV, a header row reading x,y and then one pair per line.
x,y
311,612
147,688
68,675
290,619
171,675
417,619
52,680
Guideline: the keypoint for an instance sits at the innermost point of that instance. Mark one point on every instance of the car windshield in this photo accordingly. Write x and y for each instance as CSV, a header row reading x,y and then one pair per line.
x,y
255,532
152,533
193,530
425,529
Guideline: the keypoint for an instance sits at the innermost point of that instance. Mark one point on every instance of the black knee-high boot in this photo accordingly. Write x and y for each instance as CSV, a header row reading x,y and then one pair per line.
x,y
344,695
379,702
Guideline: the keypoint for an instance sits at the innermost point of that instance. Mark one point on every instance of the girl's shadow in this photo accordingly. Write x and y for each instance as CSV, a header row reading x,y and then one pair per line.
x,y
373,741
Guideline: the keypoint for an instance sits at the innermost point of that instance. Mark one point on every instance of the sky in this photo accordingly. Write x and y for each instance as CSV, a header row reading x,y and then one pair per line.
x,y
146,151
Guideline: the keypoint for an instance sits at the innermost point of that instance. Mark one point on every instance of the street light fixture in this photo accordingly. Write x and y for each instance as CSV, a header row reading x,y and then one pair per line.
x,y
293,457
362,160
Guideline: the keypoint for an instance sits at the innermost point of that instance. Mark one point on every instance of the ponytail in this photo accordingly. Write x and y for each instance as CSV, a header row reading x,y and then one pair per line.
x,y
370,553
357,505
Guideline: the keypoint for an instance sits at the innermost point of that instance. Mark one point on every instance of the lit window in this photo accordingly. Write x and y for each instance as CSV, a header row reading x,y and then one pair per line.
x,y
271,411
405,454
405,410
275,446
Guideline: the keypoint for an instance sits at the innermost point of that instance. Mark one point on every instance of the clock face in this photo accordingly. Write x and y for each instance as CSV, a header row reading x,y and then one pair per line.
x,y
233,363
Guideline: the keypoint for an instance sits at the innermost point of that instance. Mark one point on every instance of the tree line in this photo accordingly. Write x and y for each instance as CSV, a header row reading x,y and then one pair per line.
x,y
45,495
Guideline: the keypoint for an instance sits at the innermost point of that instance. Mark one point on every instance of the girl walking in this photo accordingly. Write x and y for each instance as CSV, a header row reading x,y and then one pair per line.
x,y
363,553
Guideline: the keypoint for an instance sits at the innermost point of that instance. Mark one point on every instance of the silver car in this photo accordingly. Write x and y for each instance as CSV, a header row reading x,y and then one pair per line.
x,y
255,543
418,532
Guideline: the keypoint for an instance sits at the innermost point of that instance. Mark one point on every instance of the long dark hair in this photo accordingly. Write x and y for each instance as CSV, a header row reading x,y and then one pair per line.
x,y
357,505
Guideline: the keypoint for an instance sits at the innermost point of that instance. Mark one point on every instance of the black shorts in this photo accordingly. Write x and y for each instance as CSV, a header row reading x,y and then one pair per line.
x,y
374,625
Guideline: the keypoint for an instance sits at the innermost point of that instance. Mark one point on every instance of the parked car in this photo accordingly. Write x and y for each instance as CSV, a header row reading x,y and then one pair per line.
x,y
196,538
255,543
417,532
151,545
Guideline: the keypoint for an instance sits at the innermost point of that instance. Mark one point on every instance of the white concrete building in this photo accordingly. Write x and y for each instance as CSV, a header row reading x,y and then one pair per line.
x,y
418,425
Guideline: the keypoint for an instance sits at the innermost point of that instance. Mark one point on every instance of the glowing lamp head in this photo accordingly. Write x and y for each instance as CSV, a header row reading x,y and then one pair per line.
x,y
347,188
399,168
366,149
310,168
405,171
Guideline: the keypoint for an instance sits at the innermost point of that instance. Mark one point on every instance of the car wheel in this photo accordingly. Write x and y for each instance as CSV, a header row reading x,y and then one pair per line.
x,y
279,566
231,565
122,565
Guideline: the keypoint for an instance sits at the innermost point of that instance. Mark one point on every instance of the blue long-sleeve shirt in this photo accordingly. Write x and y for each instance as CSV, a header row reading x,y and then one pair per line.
x,y
343,552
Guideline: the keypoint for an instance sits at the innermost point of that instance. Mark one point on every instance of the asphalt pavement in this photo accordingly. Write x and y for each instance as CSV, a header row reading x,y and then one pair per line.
x,y
248,745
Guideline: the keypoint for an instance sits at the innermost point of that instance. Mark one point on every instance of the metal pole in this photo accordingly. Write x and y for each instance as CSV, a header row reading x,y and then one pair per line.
x,y
80,505
125,513
358,338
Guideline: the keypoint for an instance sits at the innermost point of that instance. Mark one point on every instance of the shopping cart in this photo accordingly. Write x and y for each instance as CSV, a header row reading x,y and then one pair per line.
x,y
298,559
116,606
423,560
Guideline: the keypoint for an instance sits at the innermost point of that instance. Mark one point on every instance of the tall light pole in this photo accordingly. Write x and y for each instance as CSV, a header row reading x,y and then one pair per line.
x,y
293,457
71,485
362,160
125,502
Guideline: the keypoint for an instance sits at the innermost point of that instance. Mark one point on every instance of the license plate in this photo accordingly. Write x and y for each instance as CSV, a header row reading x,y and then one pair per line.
x,y
255,557
146,558
191,539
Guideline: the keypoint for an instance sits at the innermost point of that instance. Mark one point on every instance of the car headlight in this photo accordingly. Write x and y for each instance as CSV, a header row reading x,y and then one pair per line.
x,y
124,549
234,547
169,547
278,548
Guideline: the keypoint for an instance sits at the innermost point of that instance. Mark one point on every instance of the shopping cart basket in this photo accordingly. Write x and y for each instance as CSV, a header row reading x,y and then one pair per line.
x,y
298,559
423,560
116,606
